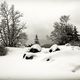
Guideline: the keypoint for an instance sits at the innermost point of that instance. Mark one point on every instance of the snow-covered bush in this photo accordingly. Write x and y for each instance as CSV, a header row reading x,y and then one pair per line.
x,y
28,57
3,51
54,48
68,44
35,48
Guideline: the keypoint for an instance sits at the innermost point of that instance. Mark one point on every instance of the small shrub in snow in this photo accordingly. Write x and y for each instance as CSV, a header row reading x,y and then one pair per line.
x,y
50,50
35,48
54,48
3,51
24,55
48,59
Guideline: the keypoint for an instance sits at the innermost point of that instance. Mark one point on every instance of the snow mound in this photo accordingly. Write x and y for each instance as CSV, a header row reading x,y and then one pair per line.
x,y
35,48
28,56
67,44
54,48
45,50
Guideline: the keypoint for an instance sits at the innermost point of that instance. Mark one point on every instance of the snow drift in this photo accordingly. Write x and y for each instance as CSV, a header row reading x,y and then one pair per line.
x,y
35,48
63,64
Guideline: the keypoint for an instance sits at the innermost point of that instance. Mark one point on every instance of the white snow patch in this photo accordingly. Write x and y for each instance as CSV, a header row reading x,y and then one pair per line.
x,y
60,66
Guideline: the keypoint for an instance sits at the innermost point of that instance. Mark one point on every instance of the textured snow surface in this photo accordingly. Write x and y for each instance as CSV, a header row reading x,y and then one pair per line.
x,y
56,65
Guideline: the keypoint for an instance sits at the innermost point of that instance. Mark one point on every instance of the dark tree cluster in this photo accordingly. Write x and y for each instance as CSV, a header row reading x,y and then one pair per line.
x,y
3,51
64,32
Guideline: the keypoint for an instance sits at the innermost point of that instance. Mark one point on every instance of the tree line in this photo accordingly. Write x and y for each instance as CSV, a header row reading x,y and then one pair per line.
x,y
11,29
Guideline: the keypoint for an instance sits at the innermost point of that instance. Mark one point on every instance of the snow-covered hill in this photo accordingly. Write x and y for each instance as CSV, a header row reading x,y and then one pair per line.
x,y
63,64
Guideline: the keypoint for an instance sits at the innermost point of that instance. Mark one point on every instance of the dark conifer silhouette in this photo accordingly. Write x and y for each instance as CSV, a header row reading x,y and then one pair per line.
x,y
36,40
64,32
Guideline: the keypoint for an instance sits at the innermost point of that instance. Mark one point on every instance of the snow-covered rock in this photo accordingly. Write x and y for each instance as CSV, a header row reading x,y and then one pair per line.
x,y
29,56
67,44
54,48
35,48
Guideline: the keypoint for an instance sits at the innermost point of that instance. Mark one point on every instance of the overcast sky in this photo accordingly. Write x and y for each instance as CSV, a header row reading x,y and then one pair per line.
x,y
40,15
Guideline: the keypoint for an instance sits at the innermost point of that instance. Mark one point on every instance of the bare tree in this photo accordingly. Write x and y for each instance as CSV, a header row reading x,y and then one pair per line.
x,y
10,25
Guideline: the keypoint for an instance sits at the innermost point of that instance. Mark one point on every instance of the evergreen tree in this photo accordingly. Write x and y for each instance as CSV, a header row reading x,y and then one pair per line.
x,y
75,36
64,32
36,40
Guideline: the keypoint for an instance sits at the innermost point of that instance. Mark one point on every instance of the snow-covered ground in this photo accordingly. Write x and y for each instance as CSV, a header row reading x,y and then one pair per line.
x,y
63,64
